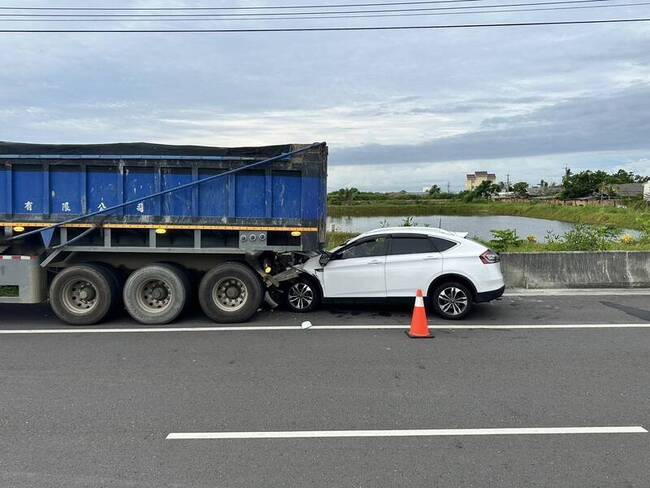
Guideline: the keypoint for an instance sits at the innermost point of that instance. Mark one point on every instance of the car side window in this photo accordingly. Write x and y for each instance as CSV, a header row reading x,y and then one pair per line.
x,y
442,244
411,245
371,247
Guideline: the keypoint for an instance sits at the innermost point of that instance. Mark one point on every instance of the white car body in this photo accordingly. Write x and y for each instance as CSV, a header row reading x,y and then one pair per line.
x,y
400,274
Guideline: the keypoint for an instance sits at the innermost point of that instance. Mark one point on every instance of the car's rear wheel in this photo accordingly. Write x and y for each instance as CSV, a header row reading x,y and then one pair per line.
x,y
451,300
302,296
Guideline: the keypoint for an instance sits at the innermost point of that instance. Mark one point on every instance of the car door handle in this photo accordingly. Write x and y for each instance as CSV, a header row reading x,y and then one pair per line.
x,y
375,261
429,258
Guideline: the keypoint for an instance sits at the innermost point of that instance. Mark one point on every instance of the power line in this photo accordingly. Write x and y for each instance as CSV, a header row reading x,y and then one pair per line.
x,y
208,19
463,7
323,29
260,7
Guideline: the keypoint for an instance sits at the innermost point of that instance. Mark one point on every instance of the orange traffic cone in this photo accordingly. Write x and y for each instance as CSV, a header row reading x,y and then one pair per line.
x,y
419,326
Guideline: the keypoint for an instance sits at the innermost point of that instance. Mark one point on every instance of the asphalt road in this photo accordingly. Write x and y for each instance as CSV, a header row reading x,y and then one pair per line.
x,y
568,309
94,410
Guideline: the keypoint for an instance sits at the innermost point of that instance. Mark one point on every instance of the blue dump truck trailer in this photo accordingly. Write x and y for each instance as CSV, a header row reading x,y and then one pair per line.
x,y
148,227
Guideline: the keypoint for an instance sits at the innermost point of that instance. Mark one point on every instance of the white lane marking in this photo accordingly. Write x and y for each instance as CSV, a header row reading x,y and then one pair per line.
x,y
298,434
596,292
262,328
493,327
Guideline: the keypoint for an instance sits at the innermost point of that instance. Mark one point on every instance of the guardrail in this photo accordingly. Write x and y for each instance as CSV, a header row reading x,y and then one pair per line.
x,y
607,269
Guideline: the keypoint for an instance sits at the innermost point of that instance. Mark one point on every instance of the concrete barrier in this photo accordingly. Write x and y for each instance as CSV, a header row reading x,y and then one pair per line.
x,y
610,269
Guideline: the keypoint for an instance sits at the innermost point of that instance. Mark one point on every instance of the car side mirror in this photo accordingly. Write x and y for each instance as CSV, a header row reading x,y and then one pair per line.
x,y
324,259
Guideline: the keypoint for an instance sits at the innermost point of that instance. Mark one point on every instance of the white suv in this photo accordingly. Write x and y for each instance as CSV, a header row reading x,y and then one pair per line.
x,y
452,271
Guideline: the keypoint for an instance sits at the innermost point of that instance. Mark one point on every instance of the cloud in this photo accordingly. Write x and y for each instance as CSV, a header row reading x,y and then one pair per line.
x,y
397,108
617,121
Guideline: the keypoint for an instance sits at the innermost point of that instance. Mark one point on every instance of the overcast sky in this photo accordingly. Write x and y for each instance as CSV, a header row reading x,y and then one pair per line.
x,y
399,110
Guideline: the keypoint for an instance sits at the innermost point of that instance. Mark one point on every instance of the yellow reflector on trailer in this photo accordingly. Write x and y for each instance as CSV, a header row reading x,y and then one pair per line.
x,y
19,228
296,233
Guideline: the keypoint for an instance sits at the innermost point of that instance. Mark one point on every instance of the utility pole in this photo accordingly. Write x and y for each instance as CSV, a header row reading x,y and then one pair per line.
x,y
508,182
447,187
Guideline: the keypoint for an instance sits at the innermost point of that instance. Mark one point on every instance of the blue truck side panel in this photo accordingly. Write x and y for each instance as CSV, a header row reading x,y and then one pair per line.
x,y
178,203
138,183
44,188
287,196
27,190
250,195
213,201
5,191
65,190
291,196
101,187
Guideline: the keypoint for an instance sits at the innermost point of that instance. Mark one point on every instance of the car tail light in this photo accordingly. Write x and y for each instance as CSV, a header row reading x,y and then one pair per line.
x,y
490,257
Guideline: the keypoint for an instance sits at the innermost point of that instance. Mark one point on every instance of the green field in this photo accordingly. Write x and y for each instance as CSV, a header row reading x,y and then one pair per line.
x,y
624,218
335,239
8,291
596,228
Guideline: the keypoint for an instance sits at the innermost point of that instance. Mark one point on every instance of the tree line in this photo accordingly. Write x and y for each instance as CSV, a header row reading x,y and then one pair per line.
x,y
574,185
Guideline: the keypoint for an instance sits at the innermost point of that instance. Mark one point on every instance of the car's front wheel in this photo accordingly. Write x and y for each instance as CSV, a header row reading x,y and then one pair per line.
x,y
451,300
302,296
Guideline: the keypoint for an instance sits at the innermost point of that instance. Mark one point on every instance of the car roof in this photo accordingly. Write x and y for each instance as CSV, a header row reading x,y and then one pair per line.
x,y
431,231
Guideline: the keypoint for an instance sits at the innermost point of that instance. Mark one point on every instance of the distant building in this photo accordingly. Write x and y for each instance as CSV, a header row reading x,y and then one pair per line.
x,y
505,195
478,177
628,189
545,191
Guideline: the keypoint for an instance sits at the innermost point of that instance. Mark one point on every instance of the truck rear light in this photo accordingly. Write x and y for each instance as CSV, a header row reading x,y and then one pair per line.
x,y
490,257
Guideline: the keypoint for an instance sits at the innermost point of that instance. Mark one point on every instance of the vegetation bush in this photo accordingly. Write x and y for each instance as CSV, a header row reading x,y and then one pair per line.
x,y
505,240
588,183
581,238
584,238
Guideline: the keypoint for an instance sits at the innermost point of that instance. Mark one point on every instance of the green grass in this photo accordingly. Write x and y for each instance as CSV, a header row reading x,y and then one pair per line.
x,y
335,239
624,243
627,218
538,247
8,291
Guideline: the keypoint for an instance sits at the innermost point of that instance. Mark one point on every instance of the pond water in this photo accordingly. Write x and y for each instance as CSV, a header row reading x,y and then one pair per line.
x,y
477,226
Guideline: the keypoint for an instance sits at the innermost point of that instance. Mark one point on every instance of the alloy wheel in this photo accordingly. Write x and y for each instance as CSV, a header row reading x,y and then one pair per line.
x,y
300,296
452,300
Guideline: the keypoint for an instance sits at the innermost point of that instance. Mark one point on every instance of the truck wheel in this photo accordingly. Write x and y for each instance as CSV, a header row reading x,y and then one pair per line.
x,y
230,292
302,296
156,294
184,275
116,288
82,295
451,300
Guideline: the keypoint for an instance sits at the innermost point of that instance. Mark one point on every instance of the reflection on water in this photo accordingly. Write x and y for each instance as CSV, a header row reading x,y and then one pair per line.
x,y
477,226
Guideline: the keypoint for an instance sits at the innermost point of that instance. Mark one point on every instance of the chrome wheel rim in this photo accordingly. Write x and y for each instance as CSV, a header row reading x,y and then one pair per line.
x,y
452,300
230,294
79,296
300,296
154,296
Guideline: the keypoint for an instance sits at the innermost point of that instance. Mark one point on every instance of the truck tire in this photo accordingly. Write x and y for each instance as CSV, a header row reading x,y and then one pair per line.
x,y
156,294
184,275
230,292
451,300
117,305
83,294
